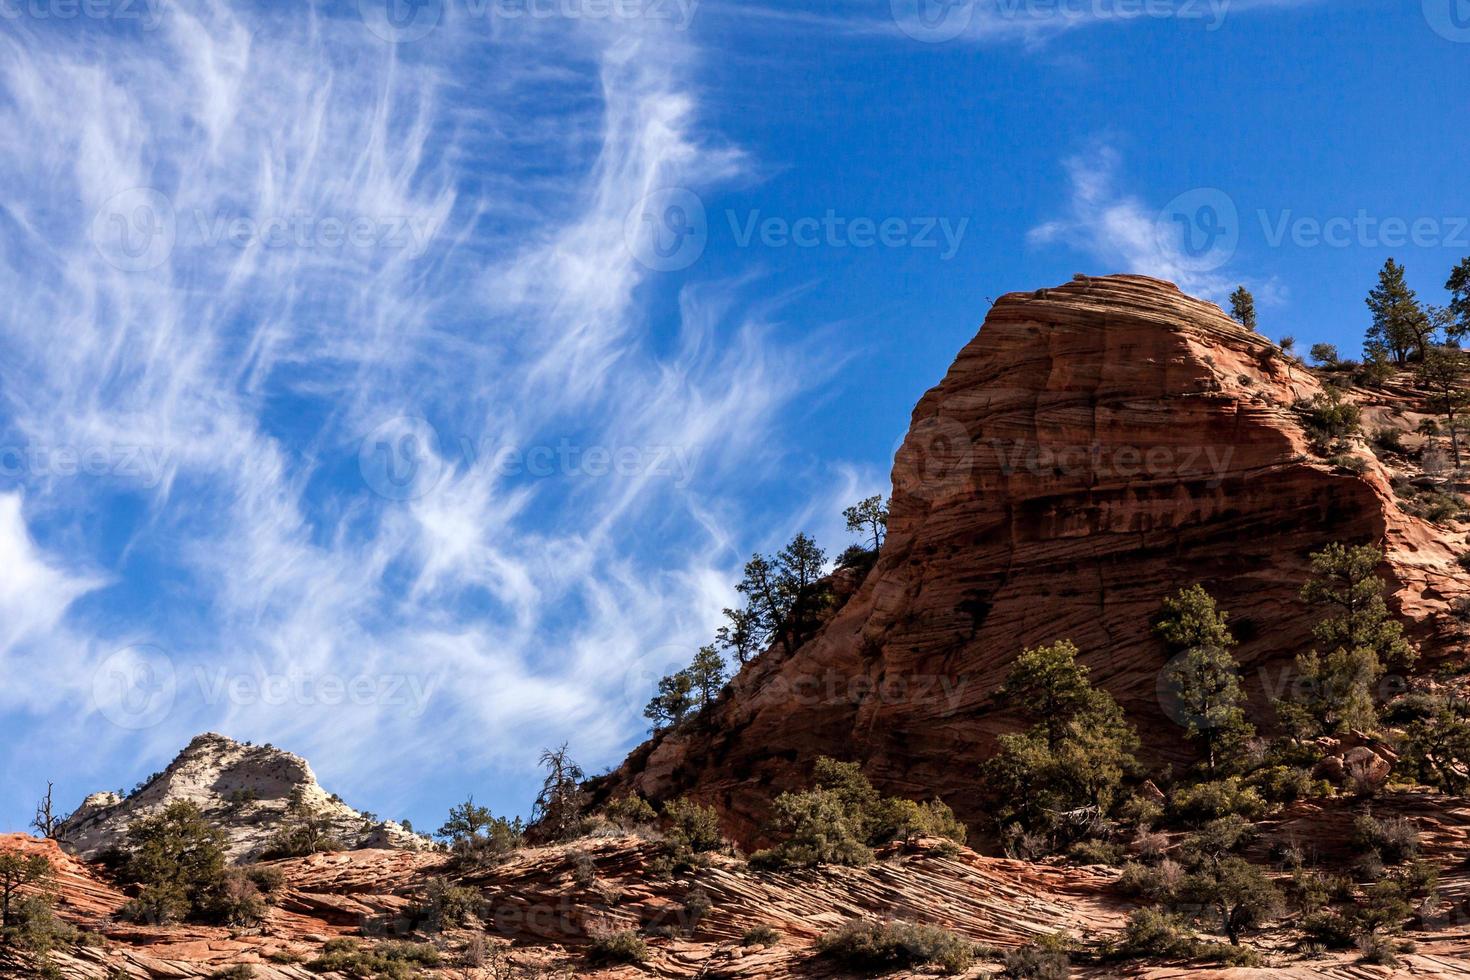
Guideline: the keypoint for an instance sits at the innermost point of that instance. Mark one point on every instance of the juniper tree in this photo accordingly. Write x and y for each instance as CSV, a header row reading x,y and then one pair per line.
x,y
1243,307
1076,751
1203,675
1400,325
17,872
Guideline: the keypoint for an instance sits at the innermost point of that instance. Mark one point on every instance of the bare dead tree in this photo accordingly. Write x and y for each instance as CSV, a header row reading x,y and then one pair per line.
x,y
46,821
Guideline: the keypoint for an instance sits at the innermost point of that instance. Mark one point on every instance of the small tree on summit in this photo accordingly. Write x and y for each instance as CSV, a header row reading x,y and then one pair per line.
x,y
707,676
1459,308
1202,675
1243,307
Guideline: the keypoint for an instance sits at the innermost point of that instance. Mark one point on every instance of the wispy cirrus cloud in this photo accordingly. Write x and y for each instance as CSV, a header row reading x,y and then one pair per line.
x,y
264,246
1190,241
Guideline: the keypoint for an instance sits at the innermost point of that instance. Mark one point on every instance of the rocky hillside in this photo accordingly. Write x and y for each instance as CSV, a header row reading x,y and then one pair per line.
x,y
245,790
1095,447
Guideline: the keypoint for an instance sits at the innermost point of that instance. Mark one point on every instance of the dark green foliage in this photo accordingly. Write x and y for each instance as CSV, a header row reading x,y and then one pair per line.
x,y
761,935
1241,895
178,859
630,813
1442,374
1203,677
625,946
241,972
385,961
1202,802
1396,839
477,837
1400,326
1435,747
1330,420
1326,355
1048,958
673,703
1337,691
1458,286
448,906
842,818
1286,784
1063,772
869,518
783,595
1154,934
693,828
871,947
18,873
1243,307
1389,441
306,830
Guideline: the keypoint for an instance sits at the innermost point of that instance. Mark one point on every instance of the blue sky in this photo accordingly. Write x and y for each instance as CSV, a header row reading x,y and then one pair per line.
x,y
408,392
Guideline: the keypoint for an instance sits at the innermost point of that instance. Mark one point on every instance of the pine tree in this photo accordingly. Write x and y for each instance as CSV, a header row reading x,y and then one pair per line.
x,y
1339,687
673,702
1400,325
1243,307
707,676
1203,675
868,517
740,635
1076,752
1442,373
1459,309
799,568
18,871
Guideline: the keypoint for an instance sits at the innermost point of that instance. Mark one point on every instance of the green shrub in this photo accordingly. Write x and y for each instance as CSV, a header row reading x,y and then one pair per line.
x,y
630,813
1048,958
868,946
1152,934
1087,852
387,961
761,935
233,901
241,972
1156,884
814,828
1389,440
1212,800
693,827
897,819
449,906
267,880
1396,840
624,946
178,859
1287,784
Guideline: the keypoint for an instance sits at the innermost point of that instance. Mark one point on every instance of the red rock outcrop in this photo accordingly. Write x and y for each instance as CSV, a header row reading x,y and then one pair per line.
x,y
1094,448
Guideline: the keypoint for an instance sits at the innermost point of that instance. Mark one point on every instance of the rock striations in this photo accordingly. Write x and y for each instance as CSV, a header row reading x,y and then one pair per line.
x,y
243,789
1094,448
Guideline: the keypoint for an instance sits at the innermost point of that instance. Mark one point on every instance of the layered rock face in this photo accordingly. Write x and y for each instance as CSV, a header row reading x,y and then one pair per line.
x,y
244,790
1094,448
